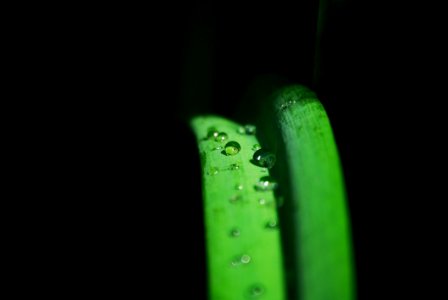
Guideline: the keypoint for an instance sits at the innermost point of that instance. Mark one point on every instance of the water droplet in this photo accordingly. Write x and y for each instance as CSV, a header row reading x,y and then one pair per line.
x,y
212,171
239,187
221,137
234,167
256,290
266,183
217,148
212,132
232,148
245,259
239,260
250,129
264,158
262,201
256,147
272,224
235,198
235,232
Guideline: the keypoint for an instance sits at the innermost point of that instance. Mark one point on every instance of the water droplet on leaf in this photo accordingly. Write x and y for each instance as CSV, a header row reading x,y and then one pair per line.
x,y
212,171
234,167
250,129
239,187
221,137
235,232
272,224
266,183
232,148
256,291
262,201
256,147
245,259
264,158
212,132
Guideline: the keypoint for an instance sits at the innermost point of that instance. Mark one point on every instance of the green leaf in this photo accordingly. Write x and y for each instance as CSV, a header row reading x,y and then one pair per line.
x,y
314,223
242,237
318,236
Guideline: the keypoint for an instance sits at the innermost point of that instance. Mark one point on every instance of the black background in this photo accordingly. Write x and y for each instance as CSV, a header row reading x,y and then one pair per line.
x,y
120,76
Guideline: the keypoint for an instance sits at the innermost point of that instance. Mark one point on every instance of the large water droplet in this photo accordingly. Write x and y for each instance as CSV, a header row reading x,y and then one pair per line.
x,y
266,183
264,158
256,291
221,137
235,232
232,148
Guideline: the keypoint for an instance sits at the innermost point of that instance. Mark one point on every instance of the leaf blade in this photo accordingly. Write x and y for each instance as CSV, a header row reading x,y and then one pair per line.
x,y
318,209
228,208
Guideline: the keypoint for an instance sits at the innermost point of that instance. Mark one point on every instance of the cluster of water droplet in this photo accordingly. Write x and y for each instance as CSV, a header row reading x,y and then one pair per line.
x,y
261,158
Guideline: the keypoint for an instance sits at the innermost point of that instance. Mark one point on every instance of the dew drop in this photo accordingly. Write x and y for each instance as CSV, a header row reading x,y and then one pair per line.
x,y
221,137
264,158
239,187
245,259
241,260
232,148
212,171
235,232
262,201
256,147
272,224
234,167
212,132
256,291
266,183
250,129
